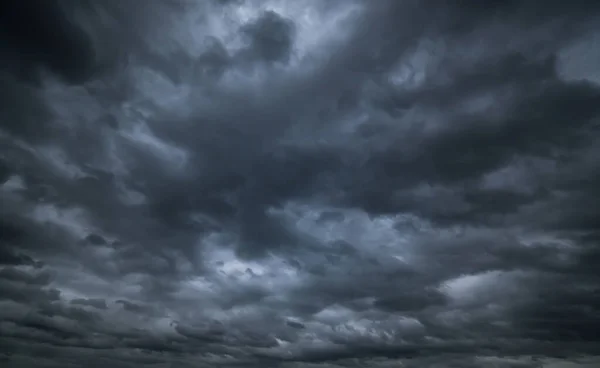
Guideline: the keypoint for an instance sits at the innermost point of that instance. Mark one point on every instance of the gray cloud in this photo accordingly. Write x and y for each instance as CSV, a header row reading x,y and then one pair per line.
x,y
96,303
299,184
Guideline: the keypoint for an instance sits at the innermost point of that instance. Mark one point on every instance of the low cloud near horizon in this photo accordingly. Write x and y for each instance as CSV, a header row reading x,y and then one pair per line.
x,y
299,184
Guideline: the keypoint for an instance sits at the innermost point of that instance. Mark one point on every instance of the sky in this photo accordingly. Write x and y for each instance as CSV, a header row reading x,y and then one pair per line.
x,y
299,184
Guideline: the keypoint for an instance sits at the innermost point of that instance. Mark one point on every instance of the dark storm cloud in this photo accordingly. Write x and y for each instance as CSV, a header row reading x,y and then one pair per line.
x,y
40,36
8,257
298,184
271,37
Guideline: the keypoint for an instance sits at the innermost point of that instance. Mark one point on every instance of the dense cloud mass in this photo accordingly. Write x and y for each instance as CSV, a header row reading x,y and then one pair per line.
x,y
299,184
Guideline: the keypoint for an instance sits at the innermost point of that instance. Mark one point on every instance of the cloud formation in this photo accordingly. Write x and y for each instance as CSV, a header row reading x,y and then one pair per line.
x,y
299,184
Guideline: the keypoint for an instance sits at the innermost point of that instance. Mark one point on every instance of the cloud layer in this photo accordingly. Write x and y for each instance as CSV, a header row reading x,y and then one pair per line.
x,y
299,183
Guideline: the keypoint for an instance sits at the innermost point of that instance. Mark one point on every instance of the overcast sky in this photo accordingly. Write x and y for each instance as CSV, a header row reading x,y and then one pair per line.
x,y
299,183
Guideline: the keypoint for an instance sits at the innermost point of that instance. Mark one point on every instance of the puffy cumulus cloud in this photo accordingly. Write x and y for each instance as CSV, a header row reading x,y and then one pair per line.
x,y
299,183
